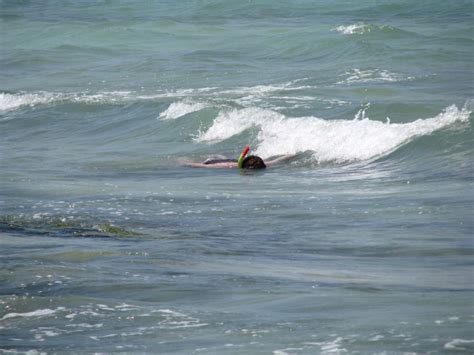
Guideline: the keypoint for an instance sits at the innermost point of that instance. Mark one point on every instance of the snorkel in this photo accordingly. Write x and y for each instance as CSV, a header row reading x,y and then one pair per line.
x,y
242,156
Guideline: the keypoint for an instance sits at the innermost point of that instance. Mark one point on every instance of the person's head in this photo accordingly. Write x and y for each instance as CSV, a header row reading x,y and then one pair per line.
x,y
253,162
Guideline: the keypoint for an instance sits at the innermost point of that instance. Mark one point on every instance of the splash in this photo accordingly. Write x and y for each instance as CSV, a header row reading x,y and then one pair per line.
x,y
338,141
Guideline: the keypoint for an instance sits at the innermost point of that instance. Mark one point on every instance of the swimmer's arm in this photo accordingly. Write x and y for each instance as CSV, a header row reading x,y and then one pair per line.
x,y
279,160
212,166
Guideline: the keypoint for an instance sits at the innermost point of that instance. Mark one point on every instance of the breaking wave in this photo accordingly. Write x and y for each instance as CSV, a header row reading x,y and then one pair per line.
x,y
182,108
338,141
191,100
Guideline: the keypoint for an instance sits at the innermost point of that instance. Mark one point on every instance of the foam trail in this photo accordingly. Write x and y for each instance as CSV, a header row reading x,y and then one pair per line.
x,y
10,102
37,313
372,76
192,99
330,141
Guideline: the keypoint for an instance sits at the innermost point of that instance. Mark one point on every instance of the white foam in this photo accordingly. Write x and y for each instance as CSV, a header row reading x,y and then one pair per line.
x,y
37,313
85,325
177,320
356,28
230,123
182,108
262,90
287,351
458,344
333,346
190,100
376,337
372,76
10,102
25,352
326,347
193,99
330,141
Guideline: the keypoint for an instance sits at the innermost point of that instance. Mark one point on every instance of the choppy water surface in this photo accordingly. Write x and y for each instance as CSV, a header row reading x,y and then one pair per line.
x,y
362,242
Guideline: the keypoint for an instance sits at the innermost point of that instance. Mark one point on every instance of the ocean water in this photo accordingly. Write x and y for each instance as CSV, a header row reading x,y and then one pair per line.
x,y
362,242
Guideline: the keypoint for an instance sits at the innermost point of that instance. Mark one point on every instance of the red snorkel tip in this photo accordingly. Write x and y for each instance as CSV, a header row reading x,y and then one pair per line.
x,y
245,151
242,156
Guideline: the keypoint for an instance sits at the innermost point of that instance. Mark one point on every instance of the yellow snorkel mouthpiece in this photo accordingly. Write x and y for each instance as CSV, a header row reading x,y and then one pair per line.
x,y
242,156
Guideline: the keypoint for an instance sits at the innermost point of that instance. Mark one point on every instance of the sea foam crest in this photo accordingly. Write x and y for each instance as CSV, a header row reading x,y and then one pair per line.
x,y
330,141
356,28
361,28
10,102
232,122
191,100
182,108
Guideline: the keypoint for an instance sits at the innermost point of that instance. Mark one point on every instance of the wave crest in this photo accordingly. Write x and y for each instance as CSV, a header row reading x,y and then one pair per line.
x,y
338,141
182,108
9,102
361,28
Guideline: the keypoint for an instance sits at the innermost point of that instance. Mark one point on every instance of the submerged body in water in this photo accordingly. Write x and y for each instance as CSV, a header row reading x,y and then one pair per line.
x,y
244,162
362,243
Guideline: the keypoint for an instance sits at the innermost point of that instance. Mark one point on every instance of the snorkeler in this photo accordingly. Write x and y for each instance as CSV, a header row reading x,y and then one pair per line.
x,y
244,162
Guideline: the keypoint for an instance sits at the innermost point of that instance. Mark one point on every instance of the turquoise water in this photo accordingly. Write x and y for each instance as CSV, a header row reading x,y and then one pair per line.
x,y
362,242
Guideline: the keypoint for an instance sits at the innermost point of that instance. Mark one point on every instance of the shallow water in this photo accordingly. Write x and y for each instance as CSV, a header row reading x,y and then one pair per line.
x,y
362,242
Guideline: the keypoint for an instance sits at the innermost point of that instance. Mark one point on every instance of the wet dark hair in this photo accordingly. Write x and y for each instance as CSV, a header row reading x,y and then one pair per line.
x,y
253,162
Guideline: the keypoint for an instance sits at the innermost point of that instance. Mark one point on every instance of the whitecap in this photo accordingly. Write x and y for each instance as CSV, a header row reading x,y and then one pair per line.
x,y
10,102
231,122
193,99
339,141
182,108
356,28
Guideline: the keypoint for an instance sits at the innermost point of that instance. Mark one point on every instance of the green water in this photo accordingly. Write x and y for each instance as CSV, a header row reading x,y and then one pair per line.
x,y
362,242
